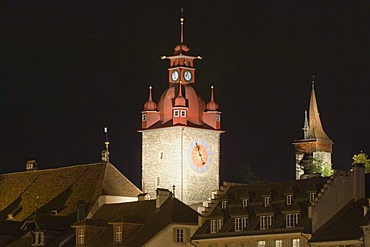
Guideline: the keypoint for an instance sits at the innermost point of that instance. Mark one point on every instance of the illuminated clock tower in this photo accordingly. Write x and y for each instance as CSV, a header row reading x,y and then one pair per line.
x,y
181,135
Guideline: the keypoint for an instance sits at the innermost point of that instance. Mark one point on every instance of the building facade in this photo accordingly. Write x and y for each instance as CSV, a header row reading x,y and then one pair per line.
x,y
181,134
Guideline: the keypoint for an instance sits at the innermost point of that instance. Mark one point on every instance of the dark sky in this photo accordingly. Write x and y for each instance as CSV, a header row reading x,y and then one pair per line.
x,y
69,68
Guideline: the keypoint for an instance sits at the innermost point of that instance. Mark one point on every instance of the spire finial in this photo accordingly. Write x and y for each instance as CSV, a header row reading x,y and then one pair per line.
x,y
313,81
182,26
150,92
105,153
212,98
306,126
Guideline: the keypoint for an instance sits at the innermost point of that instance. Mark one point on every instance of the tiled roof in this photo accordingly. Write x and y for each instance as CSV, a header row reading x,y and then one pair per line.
x,y
255,193
142,220
343,226
56,191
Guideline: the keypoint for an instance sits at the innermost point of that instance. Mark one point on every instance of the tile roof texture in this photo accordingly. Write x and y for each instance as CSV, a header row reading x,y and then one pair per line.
x,y
57,189
142,220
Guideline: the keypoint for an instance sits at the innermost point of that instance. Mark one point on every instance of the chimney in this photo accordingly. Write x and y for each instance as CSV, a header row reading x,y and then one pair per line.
x,y
31,165
162,196
358,188
143,197
81,210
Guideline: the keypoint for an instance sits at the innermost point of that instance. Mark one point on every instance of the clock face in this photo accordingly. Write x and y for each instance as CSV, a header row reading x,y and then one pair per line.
x,y
199,155
187,75
175,75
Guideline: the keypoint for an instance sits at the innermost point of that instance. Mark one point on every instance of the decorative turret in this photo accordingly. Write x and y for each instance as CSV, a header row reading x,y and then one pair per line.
x,y
179,103
313,152
150,105
212,105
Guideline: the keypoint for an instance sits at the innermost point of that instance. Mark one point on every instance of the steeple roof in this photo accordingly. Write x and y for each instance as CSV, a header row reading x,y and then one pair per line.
x,y
315,127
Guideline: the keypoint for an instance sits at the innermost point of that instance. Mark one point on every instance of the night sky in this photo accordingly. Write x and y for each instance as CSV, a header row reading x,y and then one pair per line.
x,y
70,68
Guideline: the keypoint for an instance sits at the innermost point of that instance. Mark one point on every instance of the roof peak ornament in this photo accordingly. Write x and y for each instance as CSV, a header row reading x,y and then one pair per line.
x,y
105,153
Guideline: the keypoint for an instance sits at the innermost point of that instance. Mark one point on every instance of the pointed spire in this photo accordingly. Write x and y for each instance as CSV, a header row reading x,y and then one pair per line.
x,y
150,105
315,127
212,105
180,100
105,153
181,48
305,126
182,26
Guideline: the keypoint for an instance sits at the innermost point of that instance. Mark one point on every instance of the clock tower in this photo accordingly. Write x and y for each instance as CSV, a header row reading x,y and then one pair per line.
x,y
181,134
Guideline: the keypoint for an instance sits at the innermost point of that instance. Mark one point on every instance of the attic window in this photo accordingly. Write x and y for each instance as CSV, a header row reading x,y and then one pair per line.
x,y
80,236
118,234
289,199
216,225
224,204
266,221
245,203
241,224
38,238
292,220
312,197
267,201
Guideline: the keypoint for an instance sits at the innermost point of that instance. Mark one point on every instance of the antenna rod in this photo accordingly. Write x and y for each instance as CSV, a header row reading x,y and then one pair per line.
x,y
182,26
106,142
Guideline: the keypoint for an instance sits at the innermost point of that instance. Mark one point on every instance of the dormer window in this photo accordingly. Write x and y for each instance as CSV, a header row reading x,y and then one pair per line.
x,y
118,233
80,236
289,199
245,203
38,238
143,117
216,225
267,201
176,113
224,204
183,113
292,219
312,197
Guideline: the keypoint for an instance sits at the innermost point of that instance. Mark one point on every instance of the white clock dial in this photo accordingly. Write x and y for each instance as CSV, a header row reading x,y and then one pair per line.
x,y
187,75
175,75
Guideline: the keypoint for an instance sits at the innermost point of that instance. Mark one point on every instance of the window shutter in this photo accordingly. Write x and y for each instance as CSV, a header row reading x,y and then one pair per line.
x,y
174,231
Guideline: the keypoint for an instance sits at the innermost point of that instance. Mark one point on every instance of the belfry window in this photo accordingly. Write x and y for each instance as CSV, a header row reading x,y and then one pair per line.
x,y
183,113
218,117
176,113
143,117
80,236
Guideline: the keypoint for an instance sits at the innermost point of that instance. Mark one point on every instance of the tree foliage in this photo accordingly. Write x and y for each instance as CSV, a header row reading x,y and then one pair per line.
x,y
362,158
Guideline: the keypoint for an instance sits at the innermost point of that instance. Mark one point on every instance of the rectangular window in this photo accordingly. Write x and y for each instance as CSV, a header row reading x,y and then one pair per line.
x,y
244,222
278,243
176,113
216,225
292,219
266,221
245,203
218,117
118,234
183,113
220,223
179,235
143,117
80,236
238,224
224,204
261,244
213,226
230,245
289,199
312,197
295,242
267,201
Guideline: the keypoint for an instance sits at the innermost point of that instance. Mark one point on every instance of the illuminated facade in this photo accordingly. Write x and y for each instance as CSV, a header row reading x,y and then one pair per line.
x,y
316,147
181,135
